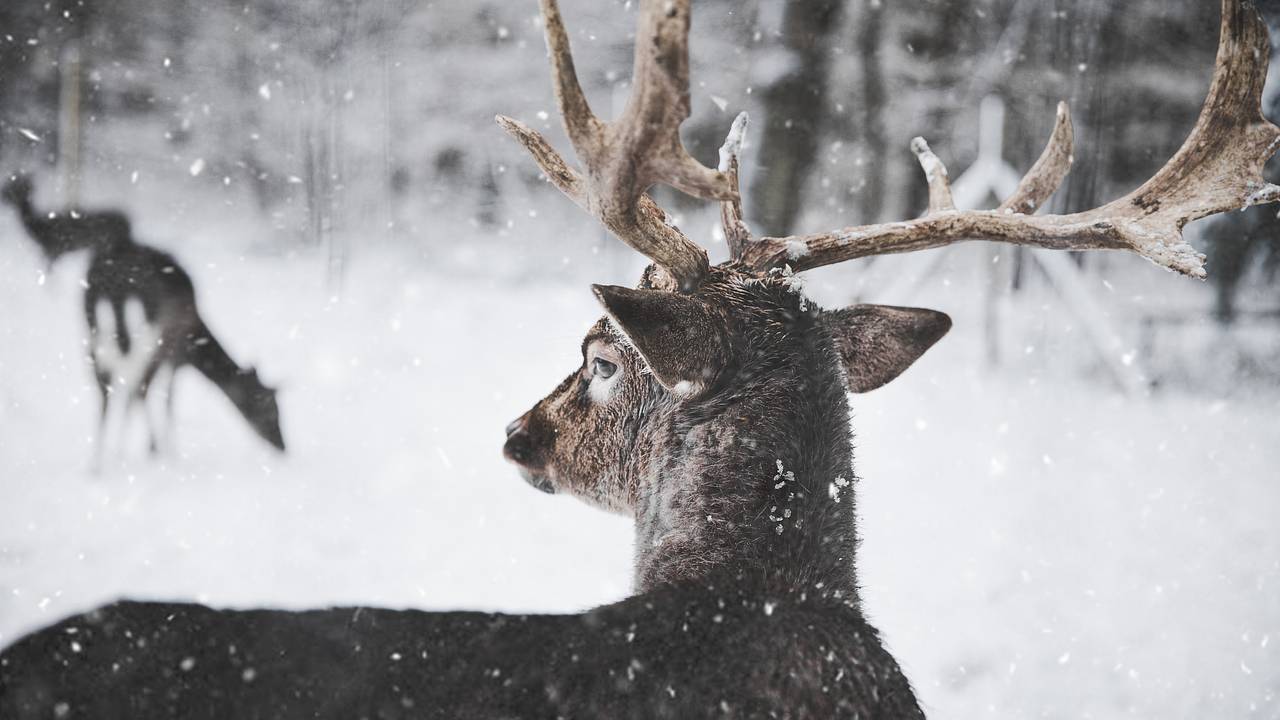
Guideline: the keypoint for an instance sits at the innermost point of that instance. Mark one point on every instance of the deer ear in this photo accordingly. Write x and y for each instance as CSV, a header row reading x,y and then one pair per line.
x,y
679,337
878,342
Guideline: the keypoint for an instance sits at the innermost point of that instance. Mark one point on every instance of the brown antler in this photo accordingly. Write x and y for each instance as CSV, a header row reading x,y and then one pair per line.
x,y
1218,168
624,157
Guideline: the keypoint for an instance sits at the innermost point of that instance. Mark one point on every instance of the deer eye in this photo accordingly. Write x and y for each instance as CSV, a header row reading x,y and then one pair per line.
x,y
602,368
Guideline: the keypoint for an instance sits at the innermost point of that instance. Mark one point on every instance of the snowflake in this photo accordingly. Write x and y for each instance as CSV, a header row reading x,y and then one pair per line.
x,y
833,490
794,283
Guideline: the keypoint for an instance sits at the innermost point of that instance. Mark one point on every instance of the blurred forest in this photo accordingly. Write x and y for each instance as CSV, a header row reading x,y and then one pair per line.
x,y
342,125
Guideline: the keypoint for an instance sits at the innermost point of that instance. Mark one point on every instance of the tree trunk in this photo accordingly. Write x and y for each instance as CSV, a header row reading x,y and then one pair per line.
x,y
795,112
871,109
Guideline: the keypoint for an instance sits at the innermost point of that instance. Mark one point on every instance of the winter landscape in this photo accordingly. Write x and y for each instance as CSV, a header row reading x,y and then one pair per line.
x,y
1068,508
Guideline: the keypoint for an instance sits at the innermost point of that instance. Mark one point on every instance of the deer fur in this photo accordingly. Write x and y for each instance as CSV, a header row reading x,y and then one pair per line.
x,y
669,653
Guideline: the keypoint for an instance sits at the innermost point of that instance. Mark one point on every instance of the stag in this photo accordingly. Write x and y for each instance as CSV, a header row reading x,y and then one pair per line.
x,y
711,405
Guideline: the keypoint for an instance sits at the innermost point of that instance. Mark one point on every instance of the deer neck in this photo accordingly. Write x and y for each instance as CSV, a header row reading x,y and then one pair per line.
x,y
32,221
206,354
757,489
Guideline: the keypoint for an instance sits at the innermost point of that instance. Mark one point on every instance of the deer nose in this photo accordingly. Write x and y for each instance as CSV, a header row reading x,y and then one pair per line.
x,y
519,445
515,426
517,448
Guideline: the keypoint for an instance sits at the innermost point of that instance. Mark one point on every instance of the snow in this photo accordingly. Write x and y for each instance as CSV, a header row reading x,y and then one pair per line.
x,y
1266,193
796,249
732,147
1144,549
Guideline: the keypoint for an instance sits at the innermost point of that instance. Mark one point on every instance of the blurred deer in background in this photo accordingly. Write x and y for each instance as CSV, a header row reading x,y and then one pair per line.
x,y
712,406
58,234
140,307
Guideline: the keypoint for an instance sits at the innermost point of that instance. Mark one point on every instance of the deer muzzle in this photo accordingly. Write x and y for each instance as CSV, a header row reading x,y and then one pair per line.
x,y
519,449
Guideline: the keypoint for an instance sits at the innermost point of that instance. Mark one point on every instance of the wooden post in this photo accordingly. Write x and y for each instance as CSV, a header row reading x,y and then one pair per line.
x,y
69,129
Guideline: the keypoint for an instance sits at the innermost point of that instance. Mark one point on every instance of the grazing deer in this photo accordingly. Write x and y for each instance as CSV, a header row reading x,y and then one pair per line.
x,y
143,325
711,405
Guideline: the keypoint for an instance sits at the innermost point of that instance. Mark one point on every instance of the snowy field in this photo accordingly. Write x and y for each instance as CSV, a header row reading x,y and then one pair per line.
x,y
1035,544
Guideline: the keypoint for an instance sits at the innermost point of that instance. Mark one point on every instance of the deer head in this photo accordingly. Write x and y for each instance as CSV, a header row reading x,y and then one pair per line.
x,y
257,403
697,412
17,190
653,345
711,401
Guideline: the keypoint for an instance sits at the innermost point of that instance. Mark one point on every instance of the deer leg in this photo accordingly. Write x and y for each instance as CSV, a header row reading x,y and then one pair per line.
x,y
170,423
136,366
103,354
147,399
128,404
113,432
142,398
158,403
100,437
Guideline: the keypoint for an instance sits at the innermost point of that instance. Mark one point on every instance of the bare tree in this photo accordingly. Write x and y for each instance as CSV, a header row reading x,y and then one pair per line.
x,y
871,109
795,112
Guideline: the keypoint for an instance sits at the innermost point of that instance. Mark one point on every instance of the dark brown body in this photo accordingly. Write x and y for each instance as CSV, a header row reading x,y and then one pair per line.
x,y
673,653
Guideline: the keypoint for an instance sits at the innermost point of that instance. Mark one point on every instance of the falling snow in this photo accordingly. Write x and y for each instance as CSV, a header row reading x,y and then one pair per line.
x,y
1049,547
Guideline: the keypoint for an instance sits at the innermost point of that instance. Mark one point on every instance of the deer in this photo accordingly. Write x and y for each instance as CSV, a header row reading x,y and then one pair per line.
x,y
140,310
59,234
711,405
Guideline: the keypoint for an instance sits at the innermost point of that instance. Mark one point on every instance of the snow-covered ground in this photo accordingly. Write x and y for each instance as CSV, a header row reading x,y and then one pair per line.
x,y
1035,544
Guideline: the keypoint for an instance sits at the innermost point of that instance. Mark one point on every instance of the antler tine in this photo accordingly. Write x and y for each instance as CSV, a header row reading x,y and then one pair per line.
x,y
648,230
1231,140
1218,168
568,180
736,233
1046,176
659,104
621,159
935,173
580,124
